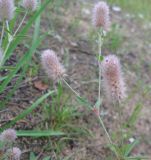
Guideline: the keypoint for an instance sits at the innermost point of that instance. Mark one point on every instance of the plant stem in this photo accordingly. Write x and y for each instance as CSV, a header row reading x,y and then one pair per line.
x,y
11,37
77,94
20,25
107,134
2,34
120,122
9,41
99,92
99,118
100,41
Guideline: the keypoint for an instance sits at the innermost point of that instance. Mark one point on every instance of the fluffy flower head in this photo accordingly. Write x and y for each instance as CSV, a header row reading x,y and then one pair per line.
x,y
14,153
30,4
8,135
100,15
50,62
6,9
112,78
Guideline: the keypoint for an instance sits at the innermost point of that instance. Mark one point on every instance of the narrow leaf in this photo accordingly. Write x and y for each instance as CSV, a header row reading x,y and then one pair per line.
x,y
37,133
132,119
130,147
28,110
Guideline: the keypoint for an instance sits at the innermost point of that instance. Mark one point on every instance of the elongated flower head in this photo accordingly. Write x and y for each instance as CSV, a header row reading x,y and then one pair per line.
x,y
14,153
7,9
30,4
113,79
100,15
50,62
8,135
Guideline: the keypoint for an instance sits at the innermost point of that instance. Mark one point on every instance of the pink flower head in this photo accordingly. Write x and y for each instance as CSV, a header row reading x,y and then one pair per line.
x,y
14,153
112,78
50,62
8,135
7,9
100,16
30,4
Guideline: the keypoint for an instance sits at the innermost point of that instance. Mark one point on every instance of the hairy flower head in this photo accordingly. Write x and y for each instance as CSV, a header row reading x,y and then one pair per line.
x,y
7,9
8,135
30,4
100,15
50,62
14,153
112,78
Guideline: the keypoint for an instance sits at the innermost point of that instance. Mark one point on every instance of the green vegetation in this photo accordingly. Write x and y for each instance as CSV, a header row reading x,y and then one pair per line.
x,y
138,7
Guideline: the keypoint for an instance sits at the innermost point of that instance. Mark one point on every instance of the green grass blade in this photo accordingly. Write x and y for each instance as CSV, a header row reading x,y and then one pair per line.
x,y
37,133
24,69
36,29
132,119
32,156
130,147
84,102
27,111
25,29
27,56
47,158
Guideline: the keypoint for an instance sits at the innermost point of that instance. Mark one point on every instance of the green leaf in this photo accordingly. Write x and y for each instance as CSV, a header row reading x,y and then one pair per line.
x,y
47,158
38,133
84,101
18,39
27,111
116,150
137,158
100,58
25,67
98,103
3,78
32,156
132,119
23,60
25,29
130,147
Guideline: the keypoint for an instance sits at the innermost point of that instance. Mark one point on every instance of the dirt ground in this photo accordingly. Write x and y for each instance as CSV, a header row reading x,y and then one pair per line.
x,y
70,36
